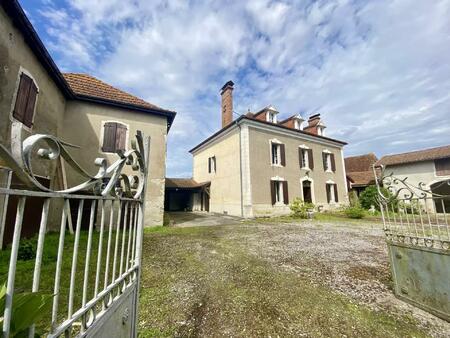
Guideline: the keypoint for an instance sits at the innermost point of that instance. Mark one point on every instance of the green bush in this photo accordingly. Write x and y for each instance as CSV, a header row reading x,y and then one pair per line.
x,y
353,199
300,209
26,251
354,212
369,197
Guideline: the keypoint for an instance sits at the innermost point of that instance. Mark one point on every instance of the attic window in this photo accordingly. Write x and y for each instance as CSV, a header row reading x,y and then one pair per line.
x,y
271,117
297,124
25,100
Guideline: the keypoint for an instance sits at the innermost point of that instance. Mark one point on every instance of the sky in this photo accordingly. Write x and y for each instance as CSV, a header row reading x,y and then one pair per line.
x,y
377,71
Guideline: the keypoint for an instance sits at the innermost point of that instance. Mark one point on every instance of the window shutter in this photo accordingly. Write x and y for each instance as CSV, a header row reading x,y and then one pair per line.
x,y
22,97
31,102
336,199
272,192
121,136
285,192
283,155
327,187
109,137
310,159
215,164
209,165
324,161
333,163
300,157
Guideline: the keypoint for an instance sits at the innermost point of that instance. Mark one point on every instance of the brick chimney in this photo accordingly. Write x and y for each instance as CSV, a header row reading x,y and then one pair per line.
x,y
227,103
315,125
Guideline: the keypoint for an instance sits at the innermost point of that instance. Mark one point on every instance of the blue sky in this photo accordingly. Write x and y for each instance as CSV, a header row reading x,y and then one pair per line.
x,y
378,71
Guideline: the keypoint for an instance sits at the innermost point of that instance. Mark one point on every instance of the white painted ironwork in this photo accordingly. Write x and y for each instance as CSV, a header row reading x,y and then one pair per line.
x,y
413,214
119,201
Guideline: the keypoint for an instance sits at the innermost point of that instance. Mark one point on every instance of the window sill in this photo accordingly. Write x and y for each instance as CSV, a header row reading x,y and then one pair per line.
x,y
277,165
306,168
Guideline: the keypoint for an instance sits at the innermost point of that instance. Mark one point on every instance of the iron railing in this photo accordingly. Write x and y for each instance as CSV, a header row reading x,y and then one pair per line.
x,y
111,195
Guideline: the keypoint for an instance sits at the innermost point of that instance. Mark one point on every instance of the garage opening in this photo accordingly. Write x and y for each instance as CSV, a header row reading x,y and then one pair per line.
x,y
185,194
442,204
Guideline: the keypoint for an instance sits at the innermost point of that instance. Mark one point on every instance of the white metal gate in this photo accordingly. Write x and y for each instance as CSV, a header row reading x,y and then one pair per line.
x,y
416,224
102,295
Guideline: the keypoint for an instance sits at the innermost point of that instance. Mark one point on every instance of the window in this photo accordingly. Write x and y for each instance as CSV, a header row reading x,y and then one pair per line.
x,y
271,117
278,155
329,163
211,164
25,100
114,137
306,158
297,124
442,167
332,194
279,191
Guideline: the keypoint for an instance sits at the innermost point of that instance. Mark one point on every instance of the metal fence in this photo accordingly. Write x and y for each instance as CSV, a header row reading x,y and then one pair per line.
x,y
102,294
416,224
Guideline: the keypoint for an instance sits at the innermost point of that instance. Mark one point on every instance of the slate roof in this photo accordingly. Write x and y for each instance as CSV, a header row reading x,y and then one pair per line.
x,y
416,156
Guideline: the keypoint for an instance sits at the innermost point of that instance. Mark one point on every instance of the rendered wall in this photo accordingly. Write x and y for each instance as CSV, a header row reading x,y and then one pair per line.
x,y
225,183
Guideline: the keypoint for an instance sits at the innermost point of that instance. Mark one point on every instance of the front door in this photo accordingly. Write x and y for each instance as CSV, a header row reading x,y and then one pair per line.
x,y
306,187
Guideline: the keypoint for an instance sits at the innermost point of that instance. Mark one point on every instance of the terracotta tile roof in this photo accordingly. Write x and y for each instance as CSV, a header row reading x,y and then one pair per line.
x,y
361,178
184,183
416,156
87,85
360,163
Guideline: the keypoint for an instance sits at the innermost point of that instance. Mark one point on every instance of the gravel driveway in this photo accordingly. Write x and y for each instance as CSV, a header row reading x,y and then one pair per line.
x,y
241,279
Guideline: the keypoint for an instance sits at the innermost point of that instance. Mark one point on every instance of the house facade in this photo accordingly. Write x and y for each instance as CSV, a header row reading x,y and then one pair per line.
x,y
36,98
257,164
428,168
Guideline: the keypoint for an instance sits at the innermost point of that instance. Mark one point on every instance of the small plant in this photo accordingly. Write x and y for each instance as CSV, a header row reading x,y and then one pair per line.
x,y
300,209
26,251
355,212
369,198
27,309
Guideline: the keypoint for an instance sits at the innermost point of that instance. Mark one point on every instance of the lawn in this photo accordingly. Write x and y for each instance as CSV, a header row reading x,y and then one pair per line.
x,y
238,281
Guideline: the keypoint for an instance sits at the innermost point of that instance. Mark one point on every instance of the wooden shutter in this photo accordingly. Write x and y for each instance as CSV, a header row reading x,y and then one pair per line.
x,y
333,163
31,102
209,165
300,157
327,187
109,137
336,199
283,155
324,161
22,97
285,192
310,159
272,192
121,137
215,164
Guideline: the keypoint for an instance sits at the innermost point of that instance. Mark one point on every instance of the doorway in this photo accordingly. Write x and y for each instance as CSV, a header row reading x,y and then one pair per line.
x,y
306,191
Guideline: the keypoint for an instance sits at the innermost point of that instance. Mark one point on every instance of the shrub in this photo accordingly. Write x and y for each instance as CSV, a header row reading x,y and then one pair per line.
x,y
353,199
300,209
355,212
369,197
26,251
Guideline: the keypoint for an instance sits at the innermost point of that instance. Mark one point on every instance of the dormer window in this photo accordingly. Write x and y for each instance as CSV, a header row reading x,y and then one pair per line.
x,y
271,117
320,131
297,124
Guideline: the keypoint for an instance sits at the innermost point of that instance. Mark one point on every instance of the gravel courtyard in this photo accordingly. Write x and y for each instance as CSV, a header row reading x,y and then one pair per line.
x,y
274,278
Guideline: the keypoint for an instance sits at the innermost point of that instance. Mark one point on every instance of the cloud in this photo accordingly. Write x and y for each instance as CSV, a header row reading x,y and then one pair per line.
x,y
378,71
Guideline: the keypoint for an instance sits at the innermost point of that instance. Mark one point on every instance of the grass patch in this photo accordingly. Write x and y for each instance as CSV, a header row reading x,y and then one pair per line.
x,y
199,282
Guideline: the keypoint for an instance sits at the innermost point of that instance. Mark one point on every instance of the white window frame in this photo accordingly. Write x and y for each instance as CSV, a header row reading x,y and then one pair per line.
x,y
102,135
332,196
304,147
328,160
13,102
212,164
279,200
297,124
310,180
271,117
278,144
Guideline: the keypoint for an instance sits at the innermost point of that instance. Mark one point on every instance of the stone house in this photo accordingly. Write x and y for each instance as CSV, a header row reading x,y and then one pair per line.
x,y
35,97
427,168
257,164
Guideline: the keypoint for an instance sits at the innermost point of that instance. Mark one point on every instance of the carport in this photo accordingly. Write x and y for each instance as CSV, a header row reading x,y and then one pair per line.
x,y
185,194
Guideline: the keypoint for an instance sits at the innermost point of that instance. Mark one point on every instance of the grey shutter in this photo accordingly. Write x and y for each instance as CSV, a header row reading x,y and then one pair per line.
x,y
31,102
215,164
22,97
272,192
300,157
285,192
310,159
121,137
283,155
333,163
109,137
336,199
209,165
327,187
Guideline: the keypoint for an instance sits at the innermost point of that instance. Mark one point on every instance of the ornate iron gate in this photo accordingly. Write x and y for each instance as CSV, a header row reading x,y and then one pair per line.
x,y
101,284
415,220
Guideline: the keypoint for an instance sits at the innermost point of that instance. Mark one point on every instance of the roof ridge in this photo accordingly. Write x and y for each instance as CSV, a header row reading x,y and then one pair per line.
x,y
415,151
